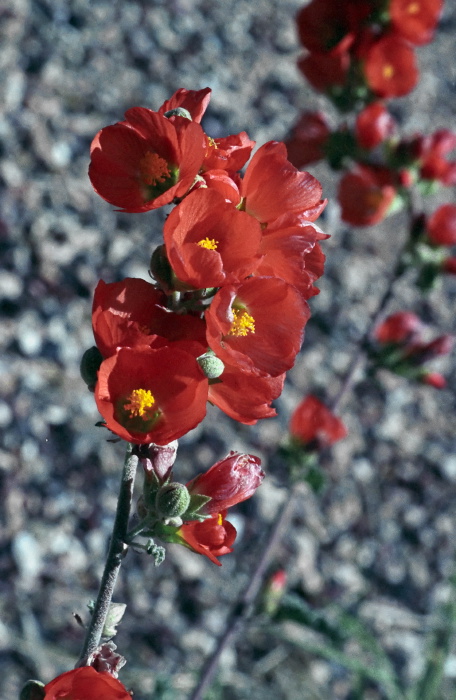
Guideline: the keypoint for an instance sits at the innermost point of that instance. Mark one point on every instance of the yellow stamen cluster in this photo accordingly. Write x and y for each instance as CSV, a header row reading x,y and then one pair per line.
x,y
208,243
153,169
243,323
388,71
413,8
211,142
139,403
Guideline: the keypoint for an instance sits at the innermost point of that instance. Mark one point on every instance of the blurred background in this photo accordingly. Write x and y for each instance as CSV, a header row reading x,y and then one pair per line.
x,y
378,542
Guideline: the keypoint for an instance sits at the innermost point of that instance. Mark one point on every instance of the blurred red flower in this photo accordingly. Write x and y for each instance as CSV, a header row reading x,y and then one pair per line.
x,y
151,395
324,71
431,151
390,67
147,160
415,20
373,125
309,135
441,225
231,480
323,26
313,422
365,195
400,327
85,683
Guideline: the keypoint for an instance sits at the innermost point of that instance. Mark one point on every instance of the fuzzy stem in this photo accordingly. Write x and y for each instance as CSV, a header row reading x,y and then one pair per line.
x,y
116,553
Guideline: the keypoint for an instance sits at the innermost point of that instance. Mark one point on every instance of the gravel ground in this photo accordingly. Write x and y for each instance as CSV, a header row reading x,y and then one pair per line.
x,y
379,541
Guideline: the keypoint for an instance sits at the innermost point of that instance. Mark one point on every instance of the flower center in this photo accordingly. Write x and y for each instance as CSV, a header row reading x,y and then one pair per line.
x,y
243,323
139,403
413,8
209,243
388,71
153,169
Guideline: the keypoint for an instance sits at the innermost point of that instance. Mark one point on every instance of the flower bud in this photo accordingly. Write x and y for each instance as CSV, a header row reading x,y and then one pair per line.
x,y
172,500
90,364
161,270
211,365
434,379
33,690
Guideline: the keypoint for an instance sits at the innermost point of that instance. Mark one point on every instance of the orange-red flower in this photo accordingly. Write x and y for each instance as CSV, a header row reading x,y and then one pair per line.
x,y
373,125
441,225
272,186
313,423
151,395
323,26
85,683
390,67
257,325
365,195
194,101
308,139
431,151
290,251
212,537
147,160
244,396
133,312
228,482
415,20
324,71
228,153
209,243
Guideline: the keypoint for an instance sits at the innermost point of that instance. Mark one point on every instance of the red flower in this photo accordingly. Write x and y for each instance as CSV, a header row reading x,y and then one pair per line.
x,y
85,684
133,312
308,139
209,243
373,125
212,537
290,251
415,20
400,327
324,71
272,186
228,482
257,325
441,225
431,152
194,101
146,161
151,395
434,379
449,265
245,397
229,153
390,67
365,195
313,422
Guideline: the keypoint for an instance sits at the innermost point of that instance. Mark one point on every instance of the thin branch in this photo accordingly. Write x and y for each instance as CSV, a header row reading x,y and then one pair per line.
x,y
116,553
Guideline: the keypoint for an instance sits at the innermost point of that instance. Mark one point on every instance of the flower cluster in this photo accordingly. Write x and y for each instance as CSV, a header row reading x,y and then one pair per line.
x,y
195,514
402,348
359,51
225,316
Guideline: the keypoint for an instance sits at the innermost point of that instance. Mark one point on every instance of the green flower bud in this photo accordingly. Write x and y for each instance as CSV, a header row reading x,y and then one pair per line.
x,y
211,365
32,690
172,500
90,364
178,112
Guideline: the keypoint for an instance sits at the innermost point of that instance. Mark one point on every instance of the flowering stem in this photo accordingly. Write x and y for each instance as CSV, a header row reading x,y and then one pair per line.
x,y
244,606
116,553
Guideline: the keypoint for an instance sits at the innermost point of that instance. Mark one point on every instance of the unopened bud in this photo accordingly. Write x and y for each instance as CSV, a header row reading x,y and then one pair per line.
x,y
33,690
172,500
211,365
90,364
178,112
161,270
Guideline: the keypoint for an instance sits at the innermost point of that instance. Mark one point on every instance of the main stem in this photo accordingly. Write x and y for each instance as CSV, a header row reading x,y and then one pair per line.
x,y
117,551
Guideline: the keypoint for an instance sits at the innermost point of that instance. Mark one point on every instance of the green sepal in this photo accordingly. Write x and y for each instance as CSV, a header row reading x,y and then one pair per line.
x,y
33,690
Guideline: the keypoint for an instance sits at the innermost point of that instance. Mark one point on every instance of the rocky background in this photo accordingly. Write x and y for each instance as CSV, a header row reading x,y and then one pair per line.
x,y
379,542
